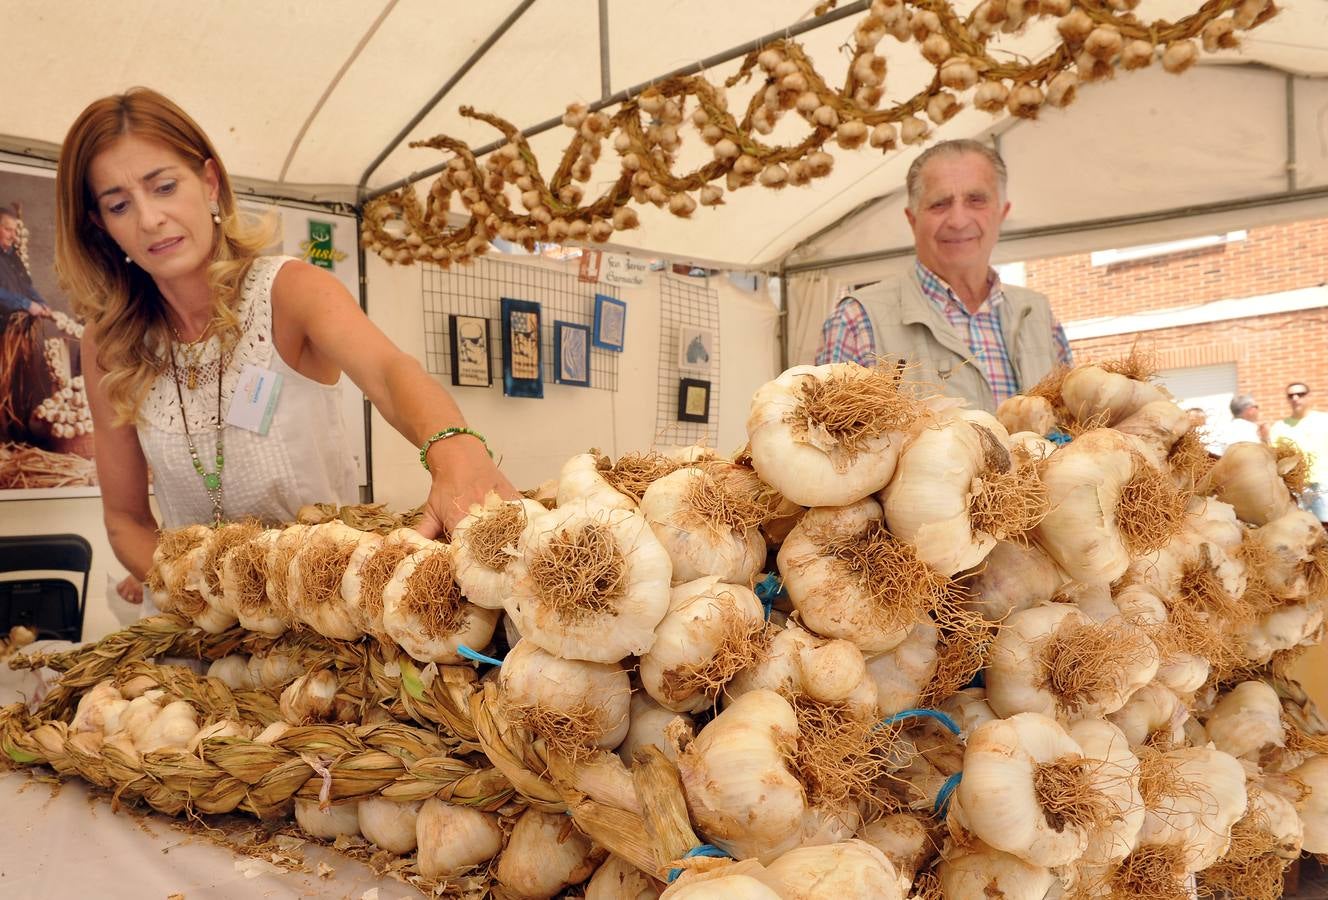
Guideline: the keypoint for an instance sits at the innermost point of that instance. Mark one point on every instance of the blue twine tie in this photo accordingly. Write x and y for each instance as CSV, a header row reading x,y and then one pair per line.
x,y
768,590
699,850
924,714
474,656
942,805
1058,437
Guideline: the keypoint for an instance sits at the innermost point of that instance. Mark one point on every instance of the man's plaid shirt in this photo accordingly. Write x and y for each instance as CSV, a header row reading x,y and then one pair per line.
x,y
847,334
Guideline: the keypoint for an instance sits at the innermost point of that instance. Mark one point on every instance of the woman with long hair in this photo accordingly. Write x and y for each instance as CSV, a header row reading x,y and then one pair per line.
x,y
188,328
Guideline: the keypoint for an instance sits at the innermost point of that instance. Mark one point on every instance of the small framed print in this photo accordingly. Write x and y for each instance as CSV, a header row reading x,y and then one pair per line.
x,y
523,371
468,338
610,323
571,354
695,347
693,400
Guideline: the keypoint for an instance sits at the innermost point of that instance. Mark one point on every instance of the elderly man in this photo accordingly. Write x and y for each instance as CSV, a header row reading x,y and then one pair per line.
x,y
16,290
1307,428
1244,426
951,323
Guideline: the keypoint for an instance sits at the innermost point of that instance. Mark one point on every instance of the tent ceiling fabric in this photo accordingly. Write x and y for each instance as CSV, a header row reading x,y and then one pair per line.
x,y
253,72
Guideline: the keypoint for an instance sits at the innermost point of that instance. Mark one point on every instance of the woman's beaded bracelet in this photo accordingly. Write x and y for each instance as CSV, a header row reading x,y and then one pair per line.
x,y
444,435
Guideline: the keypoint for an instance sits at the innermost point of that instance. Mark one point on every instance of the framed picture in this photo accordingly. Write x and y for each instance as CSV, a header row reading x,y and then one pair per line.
x,y
693,400
610,323
523,374
571,354
695,348
468,338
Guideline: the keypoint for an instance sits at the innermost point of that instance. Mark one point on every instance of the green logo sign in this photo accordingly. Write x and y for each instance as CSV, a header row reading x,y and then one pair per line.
x,y
318,249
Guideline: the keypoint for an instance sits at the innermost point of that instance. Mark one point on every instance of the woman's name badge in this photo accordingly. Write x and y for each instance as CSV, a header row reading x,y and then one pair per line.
x,y
255,399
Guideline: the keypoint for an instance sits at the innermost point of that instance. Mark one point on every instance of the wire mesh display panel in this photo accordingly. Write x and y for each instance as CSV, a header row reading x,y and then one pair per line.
x,y
477,290
688,349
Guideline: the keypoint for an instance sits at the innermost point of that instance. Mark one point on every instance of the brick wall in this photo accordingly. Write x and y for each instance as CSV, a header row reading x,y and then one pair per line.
x,y
1269,351
1271,259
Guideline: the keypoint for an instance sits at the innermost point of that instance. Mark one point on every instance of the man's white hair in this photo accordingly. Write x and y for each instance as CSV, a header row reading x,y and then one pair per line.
x,y
954,148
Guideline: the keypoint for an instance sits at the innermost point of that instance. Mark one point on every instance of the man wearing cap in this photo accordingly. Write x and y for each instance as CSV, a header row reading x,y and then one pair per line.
x,y
1244,426
1307,428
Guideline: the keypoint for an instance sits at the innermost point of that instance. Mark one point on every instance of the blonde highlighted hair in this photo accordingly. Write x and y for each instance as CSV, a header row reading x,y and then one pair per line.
x,y
117,298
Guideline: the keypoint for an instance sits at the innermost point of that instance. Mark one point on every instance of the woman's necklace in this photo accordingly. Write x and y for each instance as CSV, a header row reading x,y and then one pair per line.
x,y
211,480
193,353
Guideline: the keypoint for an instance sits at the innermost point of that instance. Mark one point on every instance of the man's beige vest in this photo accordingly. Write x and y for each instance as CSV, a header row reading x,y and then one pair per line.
x,y
908,328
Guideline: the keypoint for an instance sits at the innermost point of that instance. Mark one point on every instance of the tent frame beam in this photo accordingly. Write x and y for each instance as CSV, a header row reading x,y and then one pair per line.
x,y
628,93
1163,215
478,54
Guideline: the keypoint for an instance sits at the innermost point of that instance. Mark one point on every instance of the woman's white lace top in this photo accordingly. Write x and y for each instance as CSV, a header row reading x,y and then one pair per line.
x,y
302,459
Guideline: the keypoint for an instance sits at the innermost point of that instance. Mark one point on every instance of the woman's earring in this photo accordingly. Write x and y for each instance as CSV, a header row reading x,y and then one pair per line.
x,y
216,212
129,259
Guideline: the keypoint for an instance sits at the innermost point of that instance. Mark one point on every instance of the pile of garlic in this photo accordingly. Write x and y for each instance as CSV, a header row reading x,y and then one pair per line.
x,y
1129,605
67,409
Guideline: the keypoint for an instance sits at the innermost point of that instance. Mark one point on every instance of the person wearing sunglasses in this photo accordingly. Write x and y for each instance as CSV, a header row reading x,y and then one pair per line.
x,y
1307,428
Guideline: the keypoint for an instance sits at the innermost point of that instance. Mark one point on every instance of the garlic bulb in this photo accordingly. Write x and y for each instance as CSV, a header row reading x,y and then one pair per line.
x,y
744,880
1012,577
244,585
100,709
1247,477
452,838
1154,714
968,708
1293,545
281,550
799,662
424,612
904,840
272,670
369,570
1029,790
828,435
590,585
573,704
850,579
977,870
217,546
543,856
328,824
617,879
313,580
1157,424
233,671
902,674
1026,413
484,544
740,792
1092,394
710,632
581,479
1313,773
1053,660
1108,504
956,491
222,729
1202,794
169,729
648,725
835,871
203,605
706,526
389,824
1105,743
309,698
1246,722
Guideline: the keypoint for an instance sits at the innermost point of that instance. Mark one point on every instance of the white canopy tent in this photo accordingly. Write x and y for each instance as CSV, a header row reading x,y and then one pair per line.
x,y
308,100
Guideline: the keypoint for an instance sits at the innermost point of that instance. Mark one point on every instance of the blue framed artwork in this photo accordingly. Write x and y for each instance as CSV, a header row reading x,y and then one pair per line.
x,y
523,371
610,323
571,354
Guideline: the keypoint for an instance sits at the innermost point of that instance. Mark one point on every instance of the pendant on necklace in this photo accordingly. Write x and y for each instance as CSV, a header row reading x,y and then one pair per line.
x,y
212,481
192,377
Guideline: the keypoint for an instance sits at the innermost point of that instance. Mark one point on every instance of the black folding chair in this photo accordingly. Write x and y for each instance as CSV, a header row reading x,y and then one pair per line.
x,y
52,607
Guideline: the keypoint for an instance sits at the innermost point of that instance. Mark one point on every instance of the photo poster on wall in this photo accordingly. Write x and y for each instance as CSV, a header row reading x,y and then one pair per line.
x,y
523,363
46,437
329,241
